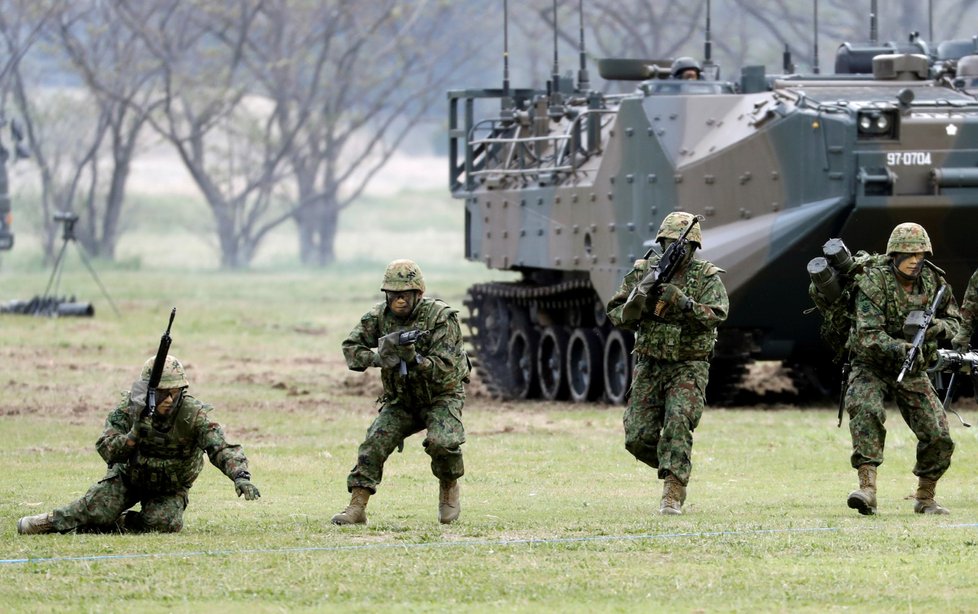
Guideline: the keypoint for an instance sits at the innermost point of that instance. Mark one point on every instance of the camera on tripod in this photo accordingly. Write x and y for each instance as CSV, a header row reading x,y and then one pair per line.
x,y
65,216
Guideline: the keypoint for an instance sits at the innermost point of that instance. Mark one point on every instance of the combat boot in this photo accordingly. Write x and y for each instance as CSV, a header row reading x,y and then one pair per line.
x,y
925,503
356,511
31,525
673,496
449,506
863,499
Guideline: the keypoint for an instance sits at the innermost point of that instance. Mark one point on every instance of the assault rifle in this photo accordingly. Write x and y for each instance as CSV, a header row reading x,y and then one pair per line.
x,y
408,337
920,324
661,273
955,363
158,363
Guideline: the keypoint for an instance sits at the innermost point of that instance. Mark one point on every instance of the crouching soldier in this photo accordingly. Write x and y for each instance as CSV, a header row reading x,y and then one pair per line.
x,y
153,460
416,343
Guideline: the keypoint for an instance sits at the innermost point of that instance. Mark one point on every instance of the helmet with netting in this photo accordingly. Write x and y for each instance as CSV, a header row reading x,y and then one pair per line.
x,y
675,224
909,238
403,275
173,376
683,64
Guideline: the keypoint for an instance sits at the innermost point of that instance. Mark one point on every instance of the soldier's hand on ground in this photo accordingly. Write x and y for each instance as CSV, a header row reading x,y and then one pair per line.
x,y
244,487
387,350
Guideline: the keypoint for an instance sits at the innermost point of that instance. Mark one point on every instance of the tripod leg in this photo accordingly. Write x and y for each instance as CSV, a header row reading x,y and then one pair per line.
x,y
56,271
98,281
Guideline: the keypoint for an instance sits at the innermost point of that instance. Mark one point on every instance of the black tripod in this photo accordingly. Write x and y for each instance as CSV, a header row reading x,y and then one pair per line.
x,y
49,303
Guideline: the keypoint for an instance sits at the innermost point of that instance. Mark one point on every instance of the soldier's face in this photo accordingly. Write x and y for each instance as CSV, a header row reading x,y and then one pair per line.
x,y
402,303
164,399
910,264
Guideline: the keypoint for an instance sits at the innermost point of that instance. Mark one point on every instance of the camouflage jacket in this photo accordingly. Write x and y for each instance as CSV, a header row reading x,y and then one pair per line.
x,y
443,364
882,307
969,307
677,335
171,460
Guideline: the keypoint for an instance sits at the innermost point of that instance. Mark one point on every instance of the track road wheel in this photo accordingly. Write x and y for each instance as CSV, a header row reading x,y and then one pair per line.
x,y
618,365
551,363
521,353
585,355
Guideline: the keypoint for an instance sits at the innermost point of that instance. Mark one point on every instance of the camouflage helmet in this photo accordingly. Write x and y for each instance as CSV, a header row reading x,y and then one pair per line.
x,y
173,374
675,223
909,238
683,64
403,275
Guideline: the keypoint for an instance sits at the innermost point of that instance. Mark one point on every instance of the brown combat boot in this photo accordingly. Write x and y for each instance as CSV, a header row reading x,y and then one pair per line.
x,y
449,506
673,496
925,503
356,511
32,525
863,499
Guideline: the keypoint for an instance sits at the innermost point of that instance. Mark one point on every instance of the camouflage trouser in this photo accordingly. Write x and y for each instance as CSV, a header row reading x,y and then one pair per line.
x,y
665,408
920,408
442,419
103,504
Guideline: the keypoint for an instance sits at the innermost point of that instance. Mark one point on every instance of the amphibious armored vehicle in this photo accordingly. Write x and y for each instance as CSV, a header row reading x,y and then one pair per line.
x,y
567,186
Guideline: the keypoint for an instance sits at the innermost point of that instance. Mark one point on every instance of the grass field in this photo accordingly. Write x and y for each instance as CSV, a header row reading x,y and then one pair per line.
x,y
556,516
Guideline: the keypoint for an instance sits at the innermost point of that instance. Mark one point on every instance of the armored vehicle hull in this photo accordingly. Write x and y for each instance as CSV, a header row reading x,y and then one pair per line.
x,y
568,189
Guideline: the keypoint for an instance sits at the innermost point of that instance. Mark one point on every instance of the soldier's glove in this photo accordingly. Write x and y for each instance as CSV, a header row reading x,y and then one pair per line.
x,y
140,429
387,350
675,298
936,330
961,342
632,310
407,353
243,486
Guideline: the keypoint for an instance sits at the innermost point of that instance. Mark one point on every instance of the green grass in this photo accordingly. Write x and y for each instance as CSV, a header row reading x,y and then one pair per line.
x,y
556,515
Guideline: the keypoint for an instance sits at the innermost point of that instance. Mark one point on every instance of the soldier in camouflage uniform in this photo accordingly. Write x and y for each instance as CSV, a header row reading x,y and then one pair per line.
x,y
153,460
969,315
422,388
887,294
673,345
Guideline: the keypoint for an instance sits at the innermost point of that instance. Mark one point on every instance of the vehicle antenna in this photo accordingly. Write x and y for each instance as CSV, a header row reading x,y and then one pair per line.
x,y
815,39
505,48
707,44
556,84
872,23
583,82
930,21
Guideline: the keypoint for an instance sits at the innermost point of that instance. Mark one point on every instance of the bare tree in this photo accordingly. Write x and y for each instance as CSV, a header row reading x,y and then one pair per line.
x,y
354,79
229,142
113,63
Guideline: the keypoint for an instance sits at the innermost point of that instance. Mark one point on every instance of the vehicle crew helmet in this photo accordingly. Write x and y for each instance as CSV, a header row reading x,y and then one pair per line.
x,y
403,275
173,376
909,238
675,224
683,64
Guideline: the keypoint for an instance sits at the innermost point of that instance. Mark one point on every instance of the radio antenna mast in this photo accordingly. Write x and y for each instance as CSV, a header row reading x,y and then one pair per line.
x,y
583,82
